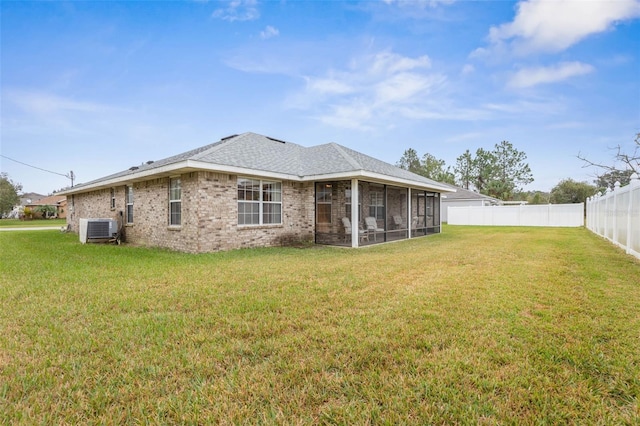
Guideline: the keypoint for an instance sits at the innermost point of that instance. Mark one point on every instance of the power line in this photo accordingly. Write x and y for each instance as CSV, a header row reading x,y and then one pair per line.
x,y
70,175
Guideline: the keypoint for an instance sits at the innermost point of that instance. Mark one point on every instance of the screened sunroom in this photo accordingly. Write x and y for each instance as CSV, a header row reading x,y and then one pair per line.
x,y
357,213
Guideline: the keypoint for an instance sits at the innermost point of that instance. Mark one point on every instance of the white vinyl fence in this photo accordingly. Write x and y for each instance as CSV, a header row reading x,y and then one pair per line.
x,y
615,215
569,215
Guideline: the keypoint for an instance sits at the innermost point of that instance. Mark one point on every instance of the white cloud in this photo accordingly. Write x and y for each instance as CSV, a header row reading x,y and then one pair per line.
x,y
380,90
355,115
528,77
329,86
553,26
539,106
468,69
422,4
373,90
405,87
401,10
262,63
238,10
269,32
46,103
388,62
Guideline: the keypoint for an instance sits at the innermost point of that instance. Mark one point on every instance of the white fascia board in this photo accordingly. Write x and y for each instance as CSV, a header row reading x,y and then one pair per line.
x,y
128,178
377,177
192,165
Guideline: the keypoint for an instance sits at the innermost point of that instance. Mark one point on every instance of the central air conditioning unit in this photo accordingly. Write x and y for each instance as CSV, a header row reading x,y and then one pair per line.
x,y
94,230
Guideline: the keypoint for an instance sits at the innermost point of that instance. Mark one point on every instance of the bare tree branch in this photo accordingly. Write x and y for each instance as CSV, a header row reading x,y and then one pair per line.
x,y
590,163
631,161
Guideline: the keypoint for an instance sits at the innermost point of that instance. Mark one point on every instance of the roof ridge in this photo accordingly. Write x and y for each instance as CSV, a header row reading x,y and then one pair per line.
x,y
341,150
216,146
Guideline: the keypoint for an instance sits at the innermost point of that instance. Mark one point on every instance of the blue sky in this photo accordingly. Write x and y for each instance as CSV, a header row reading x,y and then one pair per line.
x,y
97,87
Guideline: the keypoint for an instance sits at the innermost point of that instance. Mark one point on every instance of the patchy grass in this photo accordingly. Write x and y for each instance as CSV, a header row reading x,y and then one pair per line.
x,y
16,223
476,325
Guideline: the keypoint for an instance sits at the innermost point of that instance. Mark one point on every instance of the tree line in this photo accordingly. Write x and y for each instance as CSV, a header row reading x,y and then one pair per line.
x,y
499,173
502,172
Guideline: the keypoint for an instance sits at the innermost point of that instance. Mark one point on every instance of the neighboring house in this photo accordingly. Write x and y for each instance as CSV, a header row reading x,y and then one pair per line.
x,y
26,200
463,197
250,190
29,198
59,202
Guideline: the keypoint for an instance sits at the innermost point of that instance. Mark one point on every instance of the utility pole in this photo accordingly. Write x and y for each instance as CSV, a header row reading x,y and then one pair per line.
x,y
72,177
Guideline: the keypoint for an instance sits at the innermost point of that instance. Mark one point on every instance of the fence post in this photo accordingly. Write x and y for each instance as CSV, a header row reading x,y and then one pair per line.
x,y
597,197
633,182
599,231
602,217
616,189
594,210
607,197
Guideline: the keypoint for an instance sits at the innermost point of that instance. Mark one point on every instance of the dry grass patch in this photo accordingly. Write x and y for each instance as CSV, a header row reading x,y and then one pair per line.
x,y
476,325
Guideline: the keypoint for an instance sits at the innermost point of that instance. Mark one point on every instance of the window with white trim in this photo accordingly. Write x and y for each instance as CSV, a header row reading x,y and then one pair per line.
x,y
175,202
376,204
347,202
113,198
323,202
259,202
129,202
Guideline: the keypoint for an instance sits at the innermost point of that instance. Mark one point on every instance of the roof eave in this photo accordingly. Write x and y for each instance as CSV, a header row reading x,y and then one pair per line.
x,y
169,169
380,178
185,166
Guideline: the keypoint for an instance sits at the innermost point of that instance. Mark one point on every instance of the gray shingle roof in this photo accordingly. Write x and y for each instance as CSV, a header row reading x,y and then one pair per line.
x,y
257,152
465,194
260,153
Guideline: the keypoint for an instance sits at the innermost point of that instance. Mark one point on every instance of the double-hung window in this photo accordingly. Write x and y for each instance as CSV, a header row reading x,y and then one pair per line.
x,y
347,201
175,202
129,204
259,202
271,202
113,199
323,202
376,206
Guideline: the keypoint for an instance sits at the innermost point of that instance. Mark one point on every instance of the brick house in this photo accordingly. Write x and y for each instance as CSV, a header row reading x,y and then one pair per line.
x,y
251,190
58,202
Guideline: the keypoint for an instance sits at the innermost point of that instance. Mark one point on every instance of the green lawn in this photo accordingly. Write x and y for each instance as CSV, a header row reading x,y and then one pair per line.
x,y
476,325
15,223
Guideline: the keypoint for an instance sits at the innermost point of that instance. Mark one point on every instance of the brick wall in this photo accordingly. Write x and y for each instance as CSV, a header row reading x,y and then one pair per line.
x,y
94,205
209,214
